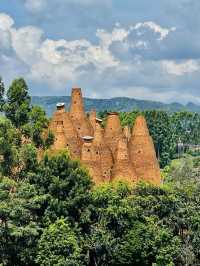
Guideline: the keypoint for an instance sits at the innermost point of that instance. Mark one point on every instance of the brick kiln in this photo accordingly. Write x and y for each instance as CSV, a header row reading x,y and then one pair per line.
x,y
110,154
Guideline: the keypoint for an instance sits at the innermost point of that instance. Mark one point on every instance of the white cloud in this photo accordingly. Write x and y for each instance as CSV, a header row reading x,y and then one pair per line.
x,y
179,69
56,63
106,38
6,22
26,41
5,40
163,32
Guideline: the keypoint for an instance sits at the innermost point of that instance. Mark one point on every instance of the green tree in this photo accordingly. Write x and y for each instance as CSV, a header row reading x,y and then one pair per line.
x,y
9,144
146,243
59,245
160,128
17,107
16,157
67,186
110,217
186,126
129,226
19,230
37,128
55,187
2,92
128,119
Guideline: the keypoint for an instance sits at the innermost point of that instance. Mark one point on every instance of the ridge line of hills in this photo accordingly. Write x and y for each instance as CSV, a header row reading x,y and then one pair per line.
x,y
121,104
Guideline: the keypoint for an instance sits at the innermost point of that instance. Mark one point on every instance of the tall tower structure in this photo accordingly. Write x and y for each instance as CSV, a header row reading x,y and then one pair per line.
x,y
74,142
77,105
142,152
57,127
91,159
123,169
101,148
113,131
78,116
64,132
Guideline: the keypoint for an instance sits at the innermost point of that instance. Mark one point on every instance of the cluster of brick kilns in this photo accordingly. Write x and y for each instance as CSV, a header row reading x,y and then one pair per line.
x,y
110,153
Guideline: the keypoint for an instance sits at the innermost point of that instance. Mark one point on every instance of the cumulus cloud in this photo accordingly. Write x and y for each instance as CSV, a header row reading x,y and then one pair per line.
x,y
162,32
6,23
57,61
182,68
26,41
119,63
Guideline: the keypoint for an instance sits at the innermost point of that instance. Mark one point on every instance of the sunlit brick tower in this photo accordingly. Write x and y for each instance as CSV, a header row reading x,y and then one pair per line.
x,y
57,127
103,150
78,116
113,131
142,152
65,133
74,142
91,159
123,169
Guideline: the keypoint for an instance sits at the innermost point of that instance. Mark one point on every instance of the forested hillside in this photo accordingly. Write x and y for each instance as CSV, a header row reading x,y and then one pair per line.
x,y
48,103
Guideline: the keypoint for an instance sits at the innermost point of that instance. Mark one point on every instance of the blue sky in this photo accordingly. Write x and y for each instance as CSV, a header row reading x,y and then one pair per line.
x,y
134,48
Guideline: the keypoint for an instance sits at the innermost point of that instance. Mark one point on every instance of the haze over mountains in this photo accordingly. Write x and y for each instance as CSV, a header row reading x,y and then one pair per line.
x,y
115,104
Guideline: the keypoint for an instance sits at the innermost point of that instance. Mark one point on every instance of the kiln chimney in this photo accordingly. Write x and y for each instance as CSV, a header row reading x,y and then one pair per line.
x,y
77,106
57,127
102,152
91,159
123,170
99,132
78,116
60,107
113,131
142,152
73,141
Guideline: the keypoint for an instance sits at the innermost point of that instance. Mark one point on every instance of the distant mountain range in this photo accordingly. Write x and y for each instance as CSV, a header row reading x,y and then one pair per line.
x,y
114,104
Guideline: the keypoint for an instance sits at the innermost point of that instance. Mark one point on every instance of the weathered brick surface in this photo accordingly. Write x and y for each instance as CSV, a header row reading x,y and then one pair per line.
x,y
123,169
142,153
92,118
110,154
78,116
113,131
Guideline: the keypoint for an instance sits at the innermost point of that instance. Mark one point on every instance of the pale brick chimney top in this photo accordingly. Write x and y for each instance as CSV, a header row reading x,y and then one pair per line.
x,y
60,106
88,138
98,120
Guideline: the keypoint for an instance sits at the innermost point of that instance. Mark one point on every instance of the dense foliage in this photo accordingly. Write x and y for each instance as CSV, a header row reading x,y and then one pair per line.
x,y
51,213
29,121
53,217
